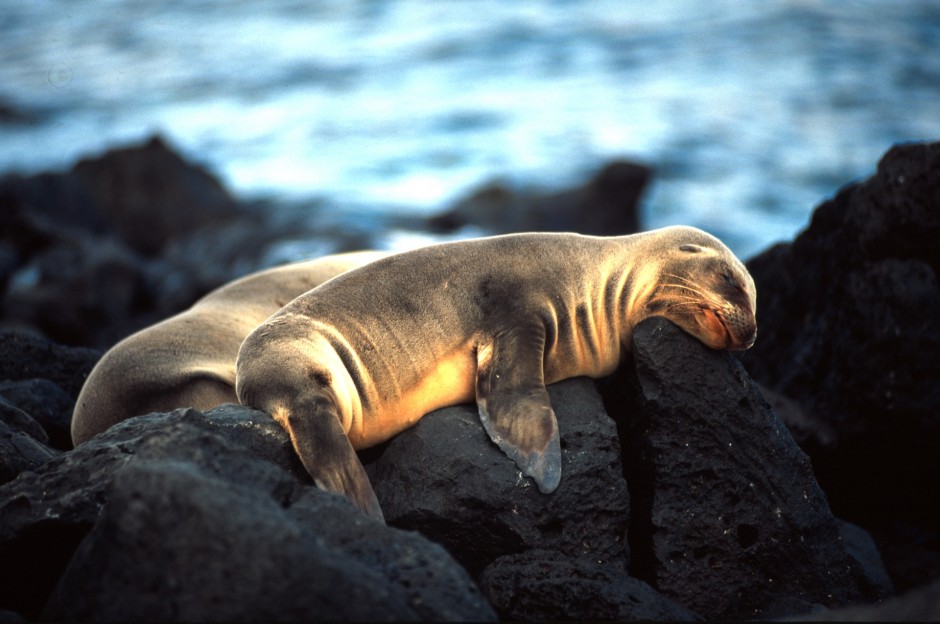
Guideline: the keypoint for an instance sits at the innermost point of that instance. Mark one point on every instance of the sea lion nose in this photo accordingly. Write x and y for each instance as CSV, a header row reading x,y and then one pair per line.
x,y
743,329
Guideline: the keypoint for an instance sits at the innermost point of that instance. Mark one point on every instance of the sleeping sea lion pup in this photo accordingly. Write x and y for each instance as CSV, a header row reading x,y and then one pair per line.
x,y
363,357
188,360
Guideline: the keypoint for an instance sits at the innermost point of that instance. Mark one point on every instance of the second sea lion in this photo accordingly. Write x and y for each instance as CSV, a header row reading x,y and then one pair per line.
x,y
188,360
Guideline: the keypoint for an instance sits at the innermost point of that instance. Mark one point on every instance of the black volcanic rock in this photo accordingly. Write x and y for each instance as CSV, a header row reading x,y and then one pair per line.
x,y
171,517
24,357
19,451
77,289
849,318
536,556
548,586
445,478
20,421
47,403
918,605
178,542
150,195
607,204
726,516
144,195
42,380
91,254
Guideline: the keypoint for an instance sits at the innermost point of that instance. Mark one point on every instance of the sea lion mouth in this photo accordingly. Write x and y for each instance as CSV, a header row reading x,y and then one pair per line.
x,y
720,327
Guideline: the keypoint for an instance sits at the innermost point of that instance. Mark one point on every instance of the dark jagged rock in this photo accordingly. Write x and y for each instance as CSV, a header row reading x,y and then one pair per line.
x,y
191,523
727,518
78,241
50,509
209,551
20,451
445,478
144,195
20,421
43,380
23,442
861,547
31,208
849,317
918,605
607,205
89,255
78,290
546,585
24,357
150,195
47,403
174,544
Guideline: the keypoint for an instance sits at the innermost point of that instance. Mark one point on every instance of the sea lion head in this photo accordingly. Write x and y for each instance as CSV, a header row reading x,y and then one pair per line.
x,y
703,288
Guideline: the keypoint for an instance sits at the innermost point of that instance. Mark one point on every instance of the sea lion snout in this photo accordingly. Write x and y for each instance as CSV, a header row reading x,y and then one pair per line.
x,y
742,330
721,320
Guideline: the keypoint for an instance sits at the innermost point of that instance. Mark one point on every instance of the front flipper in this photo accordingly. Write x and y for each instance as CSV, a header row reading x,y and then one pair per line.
x,y
327,454
514,406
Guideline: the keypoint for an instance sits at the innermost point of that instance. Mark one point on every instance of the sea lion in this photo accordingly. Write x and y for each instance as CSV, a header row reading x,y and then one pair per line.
x,y
363,357
188,360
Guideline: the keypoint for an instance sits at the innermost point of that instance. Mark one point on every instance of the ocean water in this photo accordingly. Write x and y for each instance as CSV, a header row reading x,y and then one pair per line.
x,y
751,113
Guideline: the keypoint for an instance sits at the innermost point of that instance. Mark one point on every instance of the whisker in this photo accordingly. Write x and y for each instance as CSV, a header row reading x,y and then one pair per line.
x,y
679,277
689,284
676,304
684,287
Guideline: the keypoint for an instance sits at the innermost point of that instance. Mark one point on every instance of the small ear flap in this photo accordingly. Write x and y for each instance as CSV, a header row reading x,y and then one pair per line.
x,y
689,247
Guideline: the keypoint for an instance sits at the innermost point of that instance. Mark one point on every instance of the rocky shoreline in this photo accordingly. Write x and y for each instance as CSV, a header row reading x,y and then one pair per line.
x,y
797,481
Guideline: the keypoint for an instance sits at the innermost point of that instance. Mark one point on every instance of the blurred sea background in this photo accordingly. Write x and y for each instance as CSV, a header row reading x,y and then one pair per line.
x,y
750,113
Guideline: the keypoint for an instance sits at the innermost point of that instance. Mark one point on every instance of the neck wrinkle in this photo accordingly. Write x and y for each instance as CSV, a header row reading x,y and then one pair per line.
x,y
618,293
636,283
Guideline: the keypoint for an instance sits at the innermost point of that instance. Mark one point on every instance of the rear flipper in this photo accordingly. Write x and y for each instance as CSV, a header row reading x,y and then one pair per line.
x,y
514,406
327,454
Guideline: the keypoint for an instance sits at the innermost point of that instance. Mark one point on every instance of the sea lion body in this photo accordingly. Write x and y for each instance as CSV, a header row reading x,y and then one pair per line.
x,y
188,360
363,357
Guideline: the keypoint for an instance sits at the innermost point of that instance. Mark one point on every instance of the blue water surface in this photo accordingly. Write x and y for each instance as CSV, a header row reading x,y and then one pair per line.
x,y
750,112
